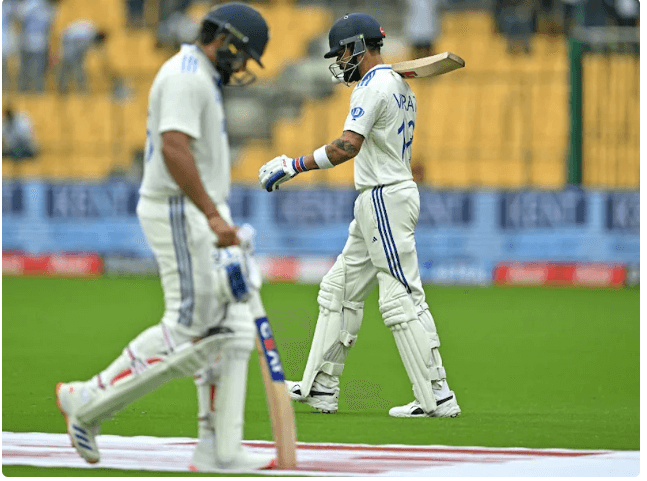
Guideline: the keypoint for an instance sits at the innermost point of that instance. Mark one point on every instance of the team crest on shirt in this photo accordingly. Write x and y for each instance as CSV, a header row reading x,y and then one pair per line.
x,y
357,112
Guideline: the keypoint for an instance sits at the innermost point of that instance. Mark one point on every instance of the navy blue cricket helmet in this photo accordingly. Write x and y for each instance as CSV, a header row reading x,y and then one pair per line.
x,y
248,27
351,27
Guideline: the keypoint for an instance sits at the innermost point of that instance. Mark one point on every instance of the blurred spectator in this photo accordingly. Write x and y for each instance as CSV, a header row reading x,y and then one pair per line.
x,y
36,18
178,29
9,40
592,13
601,13
175,27
422,26
570,8
168,7
549,18
626,13
17,135
516,20
135,13
77,38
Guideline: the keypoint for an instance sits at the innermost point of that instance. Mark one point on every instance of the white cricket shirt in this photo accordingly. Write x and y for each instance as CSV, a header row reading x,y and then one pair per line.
x,y
383,111
185,97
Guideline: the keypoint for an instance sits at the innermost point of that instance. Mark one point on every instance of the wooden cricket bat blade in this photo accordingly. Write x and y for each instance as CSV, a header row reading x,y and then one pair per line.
x,y
429,66
281,415
278,400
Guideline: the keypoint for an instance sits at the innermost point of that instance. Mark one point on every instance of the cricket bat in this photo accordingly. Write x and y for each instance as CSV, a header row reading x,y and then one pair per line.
x,y
429,66
278,399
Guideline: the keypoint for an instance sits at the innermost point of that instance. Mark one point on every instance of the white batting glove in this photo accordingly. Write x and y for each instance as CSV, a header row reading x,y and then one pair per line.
x,y
246,234
276,171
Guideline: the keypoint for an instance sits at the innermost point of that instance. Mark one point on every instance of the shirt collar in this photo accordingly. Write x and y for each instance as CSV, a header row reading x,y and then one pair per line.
x,y
203,59
379,66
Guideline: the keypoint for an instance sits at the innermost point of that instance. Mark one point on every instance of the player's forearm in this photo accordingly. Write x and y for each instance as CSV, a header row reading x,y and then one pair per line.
x,y
182,168
283,168
338,152
335,154
341,150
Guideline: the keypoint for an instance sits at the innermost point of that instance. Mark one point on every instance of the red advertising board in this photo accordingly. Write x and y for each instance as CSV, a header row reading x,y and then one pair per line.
x,y
72,264
592,274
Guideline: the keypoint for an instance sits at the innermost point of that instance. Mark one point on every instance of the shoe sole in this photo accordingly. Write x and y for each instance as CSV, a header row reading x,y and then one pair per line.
x,y
270,465
423,416
450,415
318,406
448,411
453,413
409,415
312,403
67,425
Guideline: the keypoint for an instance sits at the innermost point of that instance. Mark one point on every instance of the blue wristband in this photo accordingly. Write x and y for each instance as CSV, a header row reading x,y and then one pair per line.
x,y
299,165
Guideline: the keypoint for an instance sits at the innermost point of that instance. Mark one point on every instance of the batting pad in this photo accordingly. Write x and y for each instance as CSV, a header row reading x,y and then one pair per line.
x,y
184,361
412,340
337,328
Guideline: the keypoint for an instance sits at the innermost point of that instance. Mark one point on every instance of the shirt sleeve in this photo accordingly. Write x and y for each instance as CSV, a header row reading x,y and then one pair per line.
x,y
366,104
181,105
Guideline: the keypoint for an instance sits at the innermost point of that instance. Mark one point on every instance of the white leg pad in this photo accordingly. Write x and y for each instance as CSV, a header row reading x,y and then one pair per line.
x,y
437,370
428,324
230,407
205,383
232,385
150,367
336,331
412,340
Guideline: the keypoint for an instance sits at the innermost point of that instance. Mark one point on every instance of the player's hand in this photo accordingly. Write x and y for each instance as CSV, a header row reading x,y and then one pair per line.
x,y
227,235
275,172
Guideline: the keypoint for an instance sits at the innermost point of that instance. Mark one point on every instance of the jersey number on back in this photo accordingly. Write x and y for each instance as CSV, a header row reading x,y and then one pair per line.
x,y
407,133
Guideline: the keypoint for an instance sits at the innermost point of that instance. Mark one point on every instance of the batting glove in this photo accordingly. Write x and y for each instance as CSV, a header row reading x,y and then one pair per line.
x,y
246,234
279,170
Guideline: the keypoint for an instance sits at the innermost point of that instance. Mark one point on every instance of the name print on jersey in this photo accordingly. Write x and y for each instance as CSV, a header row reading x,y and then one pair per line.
x,y
404,103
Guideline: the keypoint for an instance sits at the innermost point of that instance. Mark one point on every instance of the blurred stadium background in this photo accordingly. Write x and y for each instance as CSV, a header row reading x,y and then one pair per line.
x,y
528,159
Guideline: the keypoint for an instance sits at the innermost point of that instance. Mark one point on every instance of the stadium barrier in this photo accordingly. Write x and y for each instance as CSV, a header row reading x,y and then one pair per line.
x,y
461,235
582,274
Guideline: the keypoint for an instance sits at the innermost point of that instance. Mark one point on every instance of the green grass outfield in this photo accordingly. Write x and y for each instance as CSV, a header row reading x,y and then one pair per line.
x,y
531,367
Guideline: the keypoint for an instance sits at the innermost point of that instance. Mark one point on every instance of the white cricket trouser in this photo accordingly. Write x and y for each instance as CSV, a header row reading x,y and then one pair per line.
x,y
381,238
184,247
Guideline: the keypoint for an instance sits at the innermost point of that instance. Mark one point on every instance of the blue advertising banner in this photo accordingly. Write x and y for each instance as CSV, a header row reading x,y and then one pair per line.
x,y
537,210
623,212
12,199
83,201
460,235
445,209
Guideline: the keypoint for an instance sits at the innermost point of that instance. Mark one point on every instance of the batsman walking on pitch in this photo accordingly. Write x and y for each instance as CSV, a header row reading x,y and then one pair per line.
x,y
380,249
207,330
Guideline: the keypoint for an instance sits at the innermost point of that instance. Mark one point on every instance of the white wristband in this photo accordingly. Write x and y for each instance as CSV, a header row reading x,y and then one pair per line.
x,y
321,158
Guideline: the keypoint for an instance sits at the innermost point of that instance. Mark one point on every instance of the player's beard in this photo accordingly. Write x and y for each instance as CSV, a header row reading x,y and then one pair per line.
x,y
228,62
351,71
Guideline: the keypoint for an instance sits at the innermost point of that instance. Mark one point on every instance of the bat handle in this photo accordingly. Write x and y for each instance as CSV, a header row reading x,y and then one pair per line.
x,y
256,305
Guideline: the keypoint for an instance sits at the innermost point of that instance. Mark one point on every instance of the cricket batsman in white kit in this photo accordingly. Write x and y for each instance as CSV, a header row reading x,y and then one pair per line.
x,y
380,249
207,274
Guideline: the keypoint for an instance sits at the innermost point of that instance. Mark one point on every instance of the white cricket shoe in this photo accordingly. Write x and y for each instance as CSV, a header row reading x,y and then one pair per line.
x,y
321,398
68,398
204,460
204,452
445,408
